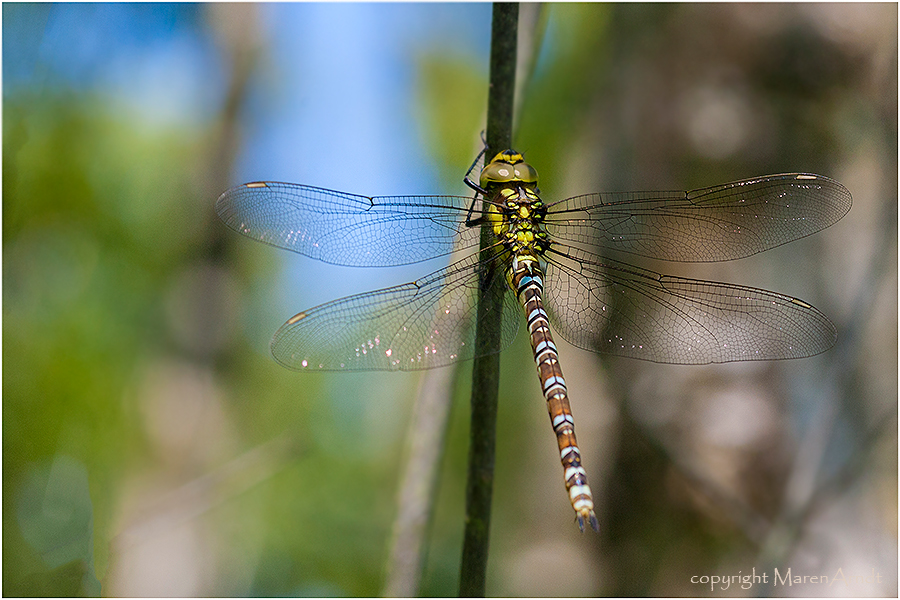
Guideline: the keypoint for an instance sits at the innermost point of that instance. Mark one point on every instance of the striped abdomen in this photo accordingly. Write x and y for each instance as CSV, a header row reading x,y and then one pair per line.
x,y
527,280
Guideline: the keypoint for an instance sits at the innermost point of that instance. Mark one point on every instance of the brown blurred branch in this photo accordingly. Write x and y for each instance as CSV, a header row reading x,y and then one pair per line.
x,y
418,486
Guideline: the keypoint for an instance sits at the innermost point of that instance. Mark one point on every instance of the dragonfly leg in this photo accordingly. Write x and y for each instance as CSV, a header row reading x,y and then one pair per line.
x,y
468,179
470,222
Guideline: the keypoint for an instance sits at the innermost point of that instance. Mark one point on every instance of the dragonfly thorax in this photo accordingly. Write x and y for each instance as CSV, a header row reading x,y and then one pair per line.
x,y
509,186
518,215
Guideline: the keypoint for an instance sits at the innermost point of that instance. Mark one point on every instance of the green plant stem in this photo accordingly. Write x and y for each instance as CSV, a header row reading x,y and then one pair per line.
x,y
486,371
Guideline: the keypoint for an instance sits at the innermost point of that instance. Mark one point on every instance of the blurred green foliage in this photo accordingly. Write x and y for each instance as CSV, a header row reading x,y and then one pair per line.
x,y
82,196
101,216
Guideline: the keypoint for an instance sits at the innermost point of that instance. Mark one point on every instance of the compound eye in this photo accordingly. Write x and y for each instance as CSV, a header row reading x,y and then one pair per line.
x,y
526,173
497,172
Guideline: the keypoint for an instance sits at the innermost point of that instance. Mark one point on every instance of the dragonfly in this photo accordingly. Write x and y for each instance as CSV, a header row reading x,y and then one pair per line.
x,y
550,259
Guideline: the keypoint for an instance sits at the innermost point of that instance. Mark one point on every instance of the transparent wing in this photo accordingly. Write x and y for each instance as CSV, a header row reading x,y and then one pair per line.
x,y
346,229
723,222
614,308
420,325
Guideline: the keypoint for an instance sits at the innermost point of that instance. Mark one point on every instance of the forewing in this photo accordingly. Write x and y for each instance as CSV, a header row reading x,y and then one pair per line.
x,y
723,222
346,229
614,308
427,323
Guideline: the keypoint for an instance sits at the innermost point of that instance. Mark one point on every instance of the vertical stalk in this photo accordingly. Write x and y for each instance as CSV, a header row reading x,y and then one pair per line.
x,y
486,371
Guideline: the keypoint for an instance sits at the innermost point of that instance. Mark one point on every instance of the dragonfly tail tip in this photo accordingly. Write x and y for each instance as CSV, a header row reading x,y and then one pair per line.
x,y
589,516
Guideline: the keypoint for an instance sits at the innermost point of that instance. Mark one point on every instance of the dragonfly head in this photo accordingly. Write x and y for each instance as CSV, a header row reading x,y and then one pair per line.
x,y
508,167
